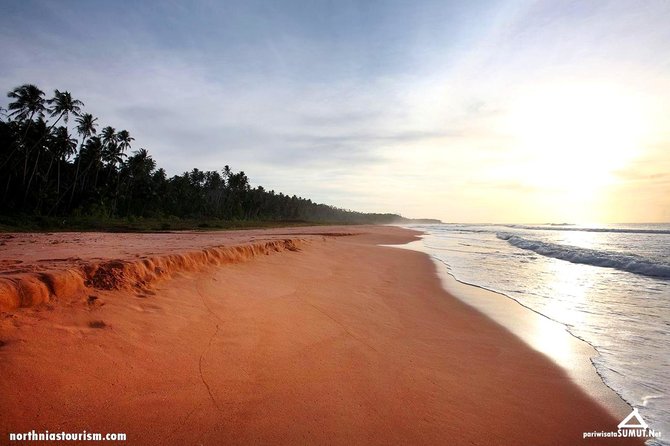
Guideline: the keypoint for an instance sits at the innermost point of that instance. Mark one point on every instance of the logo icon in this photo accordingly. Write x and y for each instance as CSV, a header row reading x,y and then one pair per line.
x,y
633,426
626,422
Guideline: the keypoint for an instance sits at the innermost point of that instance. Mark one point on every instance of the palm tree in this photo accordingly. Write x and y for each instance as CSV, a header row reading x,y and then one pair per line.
x,y
86,124
109,145
145,161
112,156
40,128
111,153
28,103
124,139
85,127
61,105
140,167
92,152
108,135
63,146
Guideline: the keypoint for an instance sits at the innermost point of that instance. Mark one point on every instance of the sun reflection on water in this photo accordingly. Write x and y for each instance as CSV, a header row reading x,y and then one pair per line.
x,y
548,336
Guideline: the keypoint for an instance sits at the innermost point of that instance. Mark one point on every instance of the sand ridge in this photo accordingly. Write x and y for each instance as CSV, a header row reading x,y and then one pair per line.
x,y
39,268
29,289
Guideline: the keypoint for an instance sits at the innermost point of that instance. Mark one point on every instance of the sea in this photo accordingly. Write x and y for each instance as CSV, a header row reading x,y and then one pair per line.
x,y
609,285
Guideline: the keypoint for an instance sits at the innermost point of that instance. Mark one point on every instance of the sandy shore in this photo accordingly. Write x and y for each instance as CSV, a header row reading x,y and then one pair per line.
x,y
293,337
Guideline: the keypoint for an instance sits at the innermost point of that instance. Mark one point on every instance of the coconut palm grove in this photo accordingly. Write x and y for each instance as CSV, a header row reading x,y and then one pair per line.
x,y
61,164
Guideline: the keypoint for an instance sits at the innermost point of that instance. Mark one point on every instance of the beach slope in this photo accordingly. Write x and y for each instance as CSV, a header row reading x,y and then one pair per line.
x,y
328,339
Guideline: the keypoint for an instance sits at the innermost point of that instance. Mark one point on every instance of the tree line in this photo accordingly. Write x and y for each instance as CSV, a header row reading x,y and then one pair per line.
x,y
56,160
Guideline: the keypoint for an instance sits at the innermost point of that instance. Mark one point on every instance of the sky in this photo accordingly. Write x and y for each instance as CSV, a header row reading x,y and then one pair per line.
x,y
466,111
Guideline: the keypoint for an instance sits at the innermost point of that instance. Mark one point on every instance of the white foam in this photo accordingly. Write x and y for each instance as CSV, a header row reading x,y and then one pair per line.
x,y
624,315
623,262
572,228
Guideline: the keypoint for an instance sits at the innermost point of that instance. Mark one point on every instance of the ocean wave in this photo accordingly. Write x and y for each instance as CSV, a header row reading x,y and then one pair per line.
x,y
630,263
566,227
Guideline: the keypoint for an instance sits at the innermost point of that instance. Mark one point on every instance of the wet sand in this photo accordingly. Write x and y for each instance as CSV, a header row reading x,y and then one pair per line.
x,y
312,339
544,335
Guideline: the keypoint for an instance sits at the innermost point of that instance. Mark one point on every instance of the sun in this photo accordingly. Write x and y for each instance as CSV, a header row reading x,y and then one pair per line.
x,y
576,137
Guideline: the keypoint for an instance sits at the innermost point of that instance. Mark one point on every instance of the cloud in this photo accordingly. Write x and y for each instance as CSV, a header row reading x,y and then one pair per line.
x,y
386,106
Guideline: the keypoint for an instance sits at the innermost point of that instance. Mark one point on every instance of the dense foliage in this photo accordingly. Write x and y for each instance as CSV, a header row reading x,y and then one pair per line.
x,y
56,160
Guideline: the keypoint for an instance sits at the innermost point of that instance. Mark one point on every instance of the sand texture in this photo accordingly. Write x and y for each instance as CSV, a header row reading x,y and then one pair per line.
x,y
267,337
38,268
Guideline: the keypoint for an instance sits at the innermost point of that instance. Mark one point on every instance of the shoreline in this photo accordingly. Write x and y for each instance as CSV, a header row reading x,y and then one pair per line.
x,y
541,333
343,341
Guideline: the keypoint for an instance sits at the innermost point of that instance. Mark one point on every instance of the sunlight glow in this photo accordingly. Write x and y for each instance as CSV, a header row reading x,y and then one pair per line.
x,y
572,138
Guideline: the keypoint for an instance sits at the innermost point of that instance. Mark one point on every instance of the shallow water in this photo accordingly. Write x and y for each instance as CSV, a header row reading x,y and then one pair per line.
x,y
609,285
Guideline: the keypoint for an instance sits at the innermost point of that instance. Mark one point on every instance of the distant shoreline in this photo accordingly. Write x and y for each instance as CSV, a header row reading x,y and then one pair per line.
x,y
166,224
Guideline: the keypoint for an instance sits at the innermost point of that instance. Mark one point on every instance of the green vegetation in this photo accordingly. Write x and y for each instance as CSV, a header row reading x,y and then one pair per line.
x,y
58,172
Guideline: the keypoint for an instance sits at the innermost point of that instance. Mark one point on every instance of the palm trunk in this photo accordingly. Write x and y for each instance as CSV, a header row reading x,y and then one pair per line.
x,y
58,178
25,166
32,175
9,158
39,201
38,155
9,180
30,122
116,194
76,177
95,181
21,141
48,131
